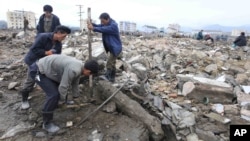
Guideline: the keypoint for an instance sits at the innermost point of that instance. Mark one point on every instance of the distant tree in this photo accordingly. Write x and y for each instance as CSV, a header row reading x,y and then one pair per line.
x,y
3,24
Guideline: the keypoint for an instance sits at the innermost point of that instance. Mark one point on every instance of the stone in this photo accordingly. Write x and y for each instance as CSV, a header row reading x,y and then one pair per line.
x,y
211,68
12,85
192,137
247,65
246,48
246,89
188,87
169,129
242,98
218,117
206,135
231,109
33,116
183,118
158,102
110,107
236,69
245,112
95,136
241,78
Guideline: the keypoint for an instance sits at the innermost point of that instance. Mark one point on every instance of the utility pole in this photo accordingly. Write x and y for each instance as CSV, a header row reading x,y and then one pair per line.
x,y
80,14
90,51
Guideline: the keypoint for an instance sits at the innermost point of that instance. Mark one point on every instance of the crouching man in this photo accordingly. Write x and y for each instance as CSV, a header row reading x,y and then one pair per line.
x,y
55,74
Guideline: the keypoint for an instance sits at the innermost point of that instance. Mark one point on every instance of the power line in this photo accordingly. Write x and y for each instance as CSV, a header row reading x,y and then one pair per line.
x,y
80,14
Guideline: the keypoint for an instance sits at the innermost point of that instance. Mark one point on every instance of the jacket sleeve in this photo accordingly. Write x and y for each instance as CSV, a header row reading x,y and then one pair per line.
x,y
67,79
237,40
96,25
110,29
58,48
38,47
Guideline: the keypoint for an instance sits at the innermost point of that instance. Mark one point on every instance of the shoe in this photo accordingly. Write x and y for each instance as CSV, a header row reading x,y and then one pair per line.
x,y
25,105
50,127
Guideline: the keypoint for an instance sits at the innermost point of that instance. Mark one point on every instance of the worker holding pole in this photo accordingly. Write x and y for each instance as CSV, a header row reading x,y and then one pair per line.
x,y
111,42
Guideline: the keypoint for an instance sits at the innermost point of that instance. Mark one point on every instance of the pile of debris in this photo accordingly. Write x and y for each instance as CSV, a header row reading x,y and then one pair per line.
x,y
178,88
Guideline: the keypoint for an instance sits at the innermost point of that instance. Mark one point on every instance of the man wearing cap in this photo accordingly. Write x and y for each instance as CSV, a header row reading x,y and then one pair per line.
x,y
45,44
56,75
47,21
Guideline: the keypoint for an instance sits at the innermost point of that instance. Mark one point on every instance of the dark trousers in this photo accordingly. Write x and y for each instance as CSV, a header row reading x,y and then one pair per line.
x,y
50,88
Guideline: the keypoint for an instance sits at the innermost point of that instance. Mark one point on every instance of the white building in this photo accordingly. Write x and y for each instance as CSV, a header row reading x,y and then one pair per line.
x,y
15,19
149,29
173,28
210,32
126,26
236,32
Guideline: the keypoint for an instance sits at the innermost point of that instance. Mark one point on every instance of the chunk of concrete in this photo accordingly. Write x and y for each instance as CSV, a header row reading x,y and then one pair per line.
x,y
241,78
215,91
218,117
12,85
245,112
192,137
211,68
206,135
132,109
231,109
95,136
247,65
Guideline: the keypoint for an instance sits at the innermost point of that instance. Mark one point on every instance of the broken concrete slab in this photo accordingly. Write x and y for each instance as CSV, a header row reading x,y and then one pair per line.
x,y
218,108
132,109
183,118
218,117
246,89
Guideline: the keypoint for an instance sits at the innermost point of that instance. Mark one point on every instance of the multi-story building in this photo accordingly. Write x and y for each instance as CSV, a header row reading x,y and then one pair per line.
x,y
236,32
173,28
150,29
15,19
126,26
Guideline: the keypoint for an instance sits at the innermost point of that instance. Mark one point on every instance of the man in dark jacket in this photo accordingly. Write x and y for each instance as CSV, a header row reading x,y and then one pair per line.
x,y
47,21
241,40
111,42
56,75
44,45
200,35
25,24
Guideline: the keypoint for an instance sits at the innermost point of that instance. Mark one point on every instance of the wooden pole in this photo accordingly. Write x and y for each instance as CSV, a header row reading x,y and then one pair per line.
x,y
90,49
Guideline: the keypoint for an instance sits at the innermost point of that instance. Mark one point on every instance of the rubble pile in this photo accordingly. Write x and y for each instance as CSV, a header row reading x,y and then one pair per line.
x,y
195,91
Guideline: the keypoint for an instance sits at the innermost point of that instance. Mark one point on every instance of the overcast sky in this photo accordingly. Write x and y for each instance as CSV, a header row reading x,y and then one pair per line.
x,y
159,13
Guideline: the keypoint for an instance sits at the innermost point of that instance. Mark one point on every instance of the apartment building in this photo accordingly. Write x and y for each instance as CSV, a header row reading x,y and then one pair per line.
x,y
126,26
15,19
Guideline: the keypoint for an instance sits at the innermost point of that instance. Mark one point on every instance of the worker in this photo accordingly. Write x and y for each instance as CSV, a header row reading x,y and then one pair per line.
x,y
47,21
200,35
111,42
240,40
25,24
45,44
56,74
209,38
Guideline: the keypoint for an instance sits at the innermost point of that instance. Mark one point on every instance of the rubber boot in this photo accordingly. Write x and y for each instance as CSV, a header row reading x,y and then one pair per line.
x,y
48,125
25,103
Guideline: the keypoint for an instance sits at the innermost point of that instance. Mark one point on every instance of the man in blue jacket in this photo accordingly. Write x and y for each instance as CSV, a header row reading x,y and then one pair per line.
x,y
44,45
111,42
47,21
